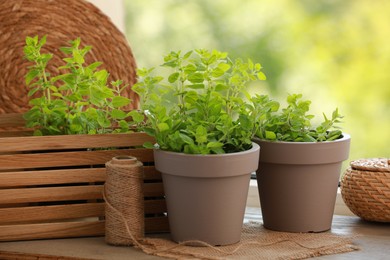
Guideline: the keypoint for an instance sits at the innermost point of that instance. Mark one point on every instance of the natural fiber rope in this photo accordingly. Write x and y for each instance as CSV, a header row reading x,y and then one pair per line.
x,y
124,193
62,21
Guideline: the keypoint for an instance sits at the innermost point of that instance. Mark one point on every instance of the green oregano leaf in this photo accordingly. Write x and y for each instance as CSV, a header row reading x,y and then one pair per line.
x,y
136,116
173,77
148,145
196,77
163,127
119,101
118,114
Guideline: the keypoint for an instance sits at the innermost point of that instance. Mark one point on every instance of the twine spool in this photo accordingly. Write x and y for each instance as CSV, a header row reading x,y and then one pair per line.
x,y
124,201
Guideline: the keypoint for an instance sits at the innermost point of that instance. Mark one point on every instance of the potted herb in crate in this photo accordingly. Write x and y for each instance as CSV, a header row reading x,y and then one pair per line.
x,y
51,186
204,130
300,165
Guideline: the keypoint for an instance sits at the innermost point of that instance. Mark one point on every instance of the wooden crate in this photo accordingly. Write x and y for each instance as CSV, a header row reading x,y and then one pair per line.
x,y
51,186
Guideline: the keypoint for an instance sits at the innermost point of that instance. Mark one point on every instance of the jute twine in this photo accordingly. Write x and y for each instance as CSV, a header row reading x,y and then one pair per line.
x,y
123,192
61,21
256,243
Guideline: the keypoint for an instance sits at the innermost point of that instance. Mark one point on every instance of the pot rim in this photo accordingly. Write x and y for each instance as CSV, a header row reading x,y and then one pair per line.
x,y
209,165
344,137
254,148
305,153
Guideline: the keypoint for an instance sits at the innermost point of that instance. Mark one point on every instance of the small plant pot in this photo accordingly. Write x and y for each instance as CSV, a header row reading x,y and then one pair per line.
x,y
206,194
298,182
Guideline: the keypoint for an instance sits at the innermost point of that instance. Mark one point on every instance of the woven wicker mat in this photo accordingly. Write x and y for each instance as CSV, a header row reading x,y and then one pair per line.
x,y
61,21
258,243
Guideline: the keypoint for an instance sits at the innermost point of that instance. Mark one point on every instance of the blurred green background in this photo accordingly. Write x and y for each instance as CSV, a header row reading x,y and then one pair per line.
x,y
336,53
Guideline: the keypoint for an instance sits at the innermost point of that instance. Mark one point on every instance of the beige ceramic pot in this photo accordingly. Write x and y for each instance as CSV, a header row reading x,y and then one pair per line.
x,y
298,182
206,194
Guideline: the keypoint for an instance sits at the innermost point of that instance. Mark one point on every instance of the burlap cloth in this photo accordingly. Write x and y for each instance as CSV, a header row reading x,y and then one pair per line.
x,y
256,243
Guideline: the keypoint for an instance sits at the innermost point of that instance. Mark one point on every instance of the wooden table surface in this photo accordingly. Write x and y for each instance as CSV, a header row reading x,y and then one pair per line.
x,y
374,242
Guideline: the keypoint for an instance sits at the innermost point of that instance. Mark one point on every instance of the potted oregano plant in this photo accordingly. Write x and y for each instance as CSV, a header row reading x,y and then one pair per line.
x,y
204,130
76,101
300,165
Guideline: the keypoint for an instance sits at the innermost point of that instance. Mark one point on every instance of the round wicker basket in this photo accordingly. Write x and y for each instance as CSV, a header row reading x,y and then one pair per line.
x,y
61,21
365,189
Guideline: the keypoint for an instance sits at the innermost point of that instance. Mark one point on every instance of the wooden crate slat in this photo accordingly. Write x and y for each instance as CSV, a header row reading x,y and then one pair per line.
x,y
59,159
150,174
153,206
153,190
12,120
156,225
61,142
69,211
6,255
51,230
51,194
50,213
28,178
70,229
15,133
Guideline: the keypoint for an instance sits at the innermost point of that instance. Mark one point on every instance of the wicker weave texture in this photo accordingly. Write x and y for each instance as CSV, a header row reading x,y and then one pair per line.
x,y
365,188
61,21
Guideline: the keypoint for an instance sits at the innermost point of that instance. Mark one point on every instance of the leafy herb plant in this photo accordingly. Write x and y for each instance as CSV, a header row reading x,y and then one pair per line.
x,y
292,123
200,106
76,101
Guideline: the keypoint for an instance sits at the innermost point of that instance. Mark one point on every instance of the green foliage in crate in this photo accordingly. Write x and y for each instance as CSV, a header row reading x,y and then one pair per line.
x,y
76,101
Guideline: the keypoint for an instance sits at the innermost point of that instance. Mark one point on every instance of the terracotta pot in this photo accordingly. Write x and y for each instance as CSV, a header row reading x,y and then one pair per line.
x,y
206,194
298,182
